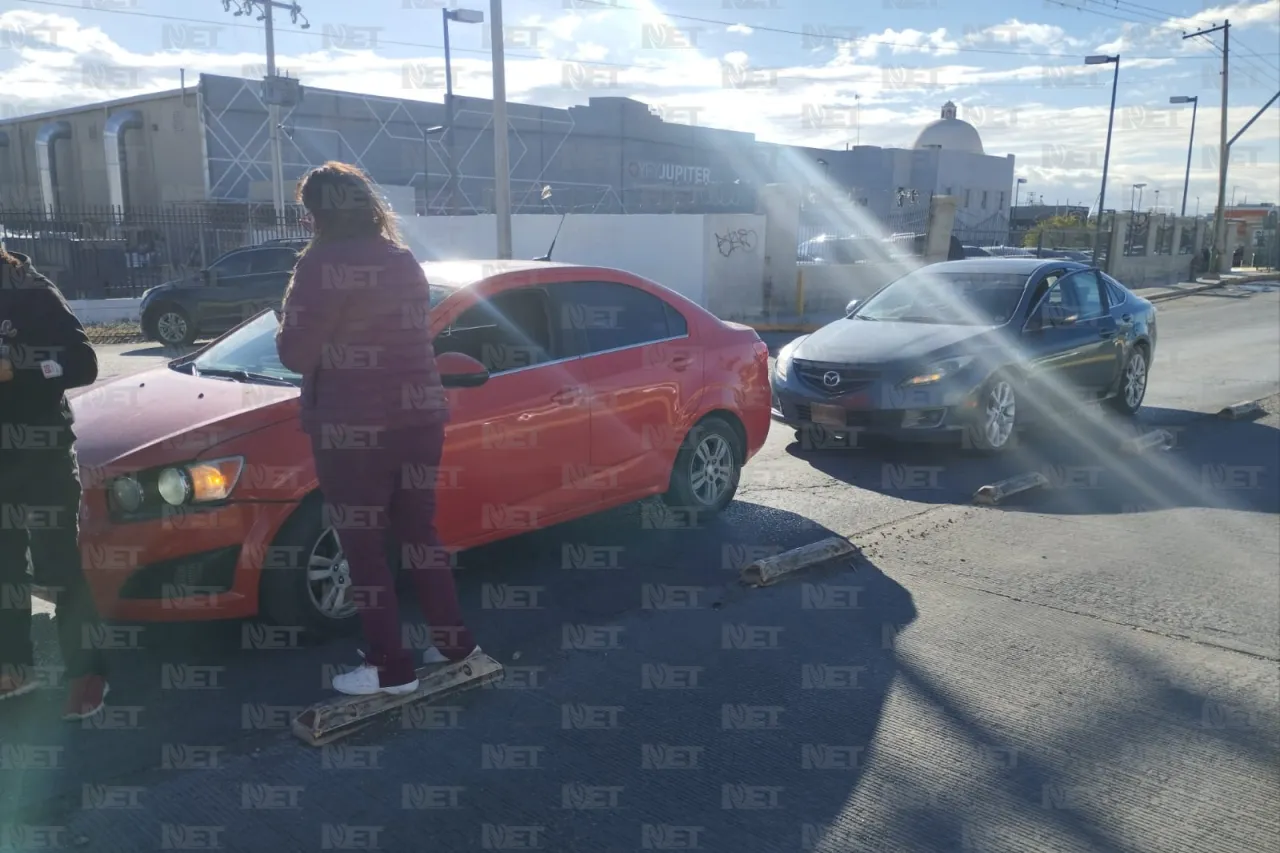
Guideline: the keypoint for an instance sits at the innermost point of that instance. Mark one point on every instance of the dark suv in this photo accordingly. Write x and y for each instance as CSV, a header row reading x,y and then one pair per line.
x,y
236,286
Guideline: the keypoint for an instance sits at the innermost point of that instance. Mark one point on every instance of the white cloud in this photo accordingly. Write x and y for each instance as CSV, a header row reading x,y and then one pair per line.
x,y
1018,108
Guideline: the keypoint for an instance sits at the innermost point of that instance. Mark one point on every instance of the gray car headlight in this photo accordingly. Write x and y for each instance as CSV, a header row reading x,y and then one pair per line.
x,y
939,370
782,364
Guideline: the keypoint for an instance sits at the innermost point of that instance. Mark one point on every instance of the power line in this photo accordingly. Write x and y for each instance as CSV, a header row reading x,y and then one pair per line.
x,y
810,35
1157,16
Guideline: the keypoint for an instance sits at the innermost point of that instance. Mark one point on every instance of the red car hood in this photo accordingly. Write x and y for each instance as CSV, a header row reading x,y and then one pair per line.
x,y
165,416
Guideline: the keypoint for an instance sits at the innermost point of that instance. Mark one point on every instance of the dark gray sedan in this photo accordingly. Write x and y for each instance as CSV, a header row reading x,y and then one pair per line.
x,y
977,348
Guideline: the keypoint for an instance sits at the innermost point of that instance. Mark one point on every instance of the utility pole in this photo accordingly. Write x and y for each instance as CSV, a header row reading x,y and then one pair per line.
x,y
275,92
1219,222
501,155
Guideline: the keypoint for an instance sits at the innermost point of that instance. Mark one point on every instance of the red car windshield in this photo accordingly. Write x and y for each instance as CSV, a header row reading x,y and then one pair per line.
x,y
250,351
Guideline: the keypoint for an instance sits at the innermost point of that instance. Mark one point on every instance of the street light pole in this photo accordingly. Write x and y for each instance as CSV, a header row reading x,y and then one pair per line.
x,y
1106,157
1194,100
462,16
426,166
273,117
1013,212
448,119
501,156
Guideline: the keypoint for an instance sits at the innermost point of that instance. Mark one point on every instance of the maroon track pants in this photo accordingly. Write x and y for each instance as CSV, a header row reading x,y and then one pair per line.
x,y
374,495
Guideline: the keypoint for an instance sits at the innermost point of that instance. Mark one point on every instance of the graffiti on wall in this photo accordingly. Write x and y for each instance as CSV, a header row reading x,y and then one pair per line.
x,y
743,239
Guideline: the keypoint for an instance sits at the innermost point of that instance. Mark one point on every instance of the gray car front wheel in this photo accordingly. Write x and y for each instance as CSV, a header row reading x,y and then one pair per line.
x,y
172,326
995,425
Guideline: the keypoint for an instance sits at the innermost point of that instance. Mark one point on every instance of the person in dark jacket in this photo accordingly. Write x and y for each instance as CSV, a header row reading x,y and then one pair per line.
x,y
354,325
43,353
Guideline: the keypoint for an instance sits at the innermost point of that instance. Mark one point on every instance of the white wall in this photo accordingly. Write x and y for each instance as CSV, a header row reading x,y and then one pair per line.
x,y
95,311
667,248
829,287
733,262
401,200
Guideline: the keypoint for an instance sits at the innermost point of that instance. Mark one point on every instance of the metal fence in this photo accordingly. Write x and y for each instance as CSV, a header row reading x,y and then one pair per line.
x,y
851,233
1140,230
1187,243
1162,226
104,253
982,231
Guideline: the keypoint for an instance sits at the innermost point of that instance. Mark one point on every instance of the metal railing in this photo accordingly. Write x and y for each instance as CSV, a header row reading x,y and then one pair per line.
x,y
105,253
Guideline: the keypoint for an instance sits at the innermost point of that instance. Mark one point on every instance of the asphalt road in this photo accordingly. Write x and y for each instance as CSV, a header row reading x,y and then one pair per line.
x,y
1090,668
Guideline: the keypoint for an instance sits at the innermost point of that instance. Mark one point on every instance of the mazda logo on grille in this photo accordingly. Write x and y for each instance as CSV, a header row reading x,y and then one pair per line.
x,y
831,379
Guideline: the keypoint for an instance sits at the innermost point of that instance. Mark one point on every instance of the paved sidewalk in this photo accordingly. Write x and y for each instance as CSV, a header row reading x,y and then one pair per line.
x,y
800,324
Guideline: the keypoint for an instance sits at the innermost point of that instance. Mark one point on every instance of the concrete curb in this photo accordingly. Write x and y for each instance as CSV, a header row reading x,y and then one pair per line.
x,y
1161,438
1242,410
1213,285
997,492
768,570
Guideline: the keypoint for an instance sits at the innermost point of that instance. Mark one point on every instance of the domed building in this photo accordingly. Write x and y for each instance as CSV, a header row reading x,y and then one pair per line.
x,y
950,133
947,158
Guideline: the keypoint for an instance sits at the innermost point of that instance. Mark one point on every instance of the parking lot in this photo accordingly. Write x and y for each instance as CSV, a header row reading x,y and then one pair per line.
x,y
1090,667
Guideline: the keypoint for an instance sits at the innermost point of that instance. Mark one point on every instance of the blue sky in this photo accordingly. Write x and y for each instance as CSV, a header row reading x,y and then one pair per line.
x,y
813,72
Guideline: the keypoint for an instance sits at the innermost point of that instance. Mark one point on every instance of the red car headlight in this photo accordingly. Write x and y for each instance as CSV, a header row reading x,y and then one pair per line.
x,y
200,482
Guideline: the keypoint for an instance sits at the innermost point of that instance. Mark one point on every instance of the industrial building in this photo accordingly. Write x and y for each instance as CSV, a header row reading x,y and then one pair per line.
x,y
209,142
121,171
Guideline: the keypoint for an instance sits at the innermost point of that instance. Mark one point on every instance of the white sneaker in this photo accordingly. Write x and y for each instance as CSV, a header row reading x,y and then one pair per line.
x,y
363,681
434,657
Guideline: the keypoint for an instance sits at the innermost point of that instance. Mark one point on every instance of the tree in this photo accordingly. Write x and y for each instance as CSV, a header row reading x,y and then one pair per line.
x,y
1062,222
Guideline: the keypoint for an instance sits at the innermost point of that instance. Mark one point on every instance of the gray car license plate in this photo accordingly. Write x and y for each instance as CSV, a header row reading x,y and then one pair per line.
x,y
828,415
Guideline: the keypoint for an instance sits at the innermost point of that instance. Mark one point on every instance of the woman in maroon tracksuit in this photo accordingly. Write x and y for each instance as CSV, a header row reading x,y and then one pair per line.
x,y
354,325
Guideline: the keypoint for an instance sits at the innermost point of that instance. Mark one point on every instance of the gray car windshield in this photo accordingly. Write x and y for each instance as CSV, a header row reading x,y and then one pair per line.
x,y
249,353
953,297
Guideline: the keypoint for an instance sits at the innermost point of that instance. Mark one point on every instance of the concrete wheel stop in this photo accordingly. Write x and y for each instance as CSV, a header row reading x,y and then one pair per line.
x,y
1243,410
996,493
769,570
336,718
1156,439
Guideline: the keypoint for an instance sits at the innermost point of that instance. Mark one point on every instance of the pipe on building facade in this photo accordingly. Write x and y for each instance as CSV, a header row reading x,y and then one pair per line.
x,y
47,161
113,136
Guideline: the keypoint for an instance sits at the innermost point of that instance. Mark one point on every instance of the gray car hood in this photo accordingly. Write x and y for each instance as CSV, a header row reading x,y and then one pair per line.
x,y
852,341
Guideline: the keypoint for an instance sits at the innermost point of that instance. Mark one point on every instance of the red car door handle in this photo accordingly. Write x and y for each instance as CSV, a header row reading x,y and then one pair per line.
x,y
565,396
681,362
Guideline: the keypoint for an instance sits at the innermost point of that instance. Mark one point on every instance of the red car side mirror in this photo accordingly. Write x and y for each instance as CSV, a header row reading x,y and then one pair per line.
x,y
460,371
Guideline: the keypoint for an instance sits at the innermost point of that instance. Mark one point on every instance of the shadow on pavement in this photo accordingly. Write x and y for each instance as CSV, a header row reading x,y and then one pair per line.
x,y
1212,463
644,686
155,350
1157,746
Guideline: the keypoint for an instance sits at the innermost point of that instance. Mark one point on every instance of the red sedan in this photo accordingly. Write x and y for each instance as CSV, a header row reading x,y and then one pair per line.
x,y
572,390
